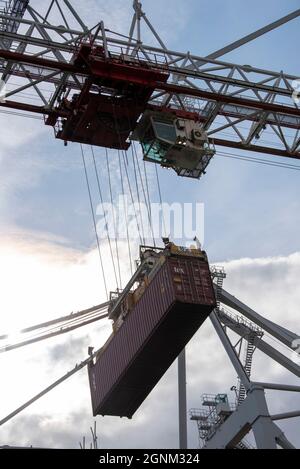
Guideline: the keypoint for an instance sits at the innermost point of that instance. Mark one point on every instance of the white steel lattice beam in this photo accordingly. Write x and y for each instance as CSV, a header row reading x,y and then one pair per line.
x,y
227,97
243,329
278,332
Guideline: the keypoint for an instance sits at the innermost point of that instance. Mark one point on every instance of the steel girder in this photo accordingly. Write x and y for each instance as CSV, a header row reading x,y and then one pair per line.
x,y
244,329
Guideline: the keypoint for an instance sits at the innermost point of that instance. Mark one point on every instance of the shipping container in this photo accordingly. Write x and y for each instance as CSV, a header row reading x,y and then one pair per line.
x,y
170,310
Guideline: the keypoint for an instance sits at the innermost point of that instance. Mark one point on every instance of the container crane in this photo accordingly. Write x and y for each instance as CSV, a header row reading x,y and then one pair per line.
x,y
105,89
221,424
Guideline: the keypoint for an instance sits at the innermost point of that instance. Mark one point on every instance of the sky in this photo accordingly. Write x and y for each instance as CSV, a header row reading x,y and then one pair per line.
x,y
49,264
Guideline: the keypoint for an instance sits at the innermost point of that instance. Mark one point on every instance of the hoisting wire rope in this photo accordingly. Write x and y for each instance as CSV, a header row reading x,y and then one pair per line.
x,y
20,114
99,308
105,217
125,163
113,216
125,213
125,156
94,220
144,193
145,197
265,334
161,202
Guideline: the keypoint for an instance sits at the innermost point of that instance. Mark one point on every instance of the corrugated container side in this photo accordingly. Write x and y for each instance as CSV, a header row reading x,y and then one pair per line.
x,y
153,334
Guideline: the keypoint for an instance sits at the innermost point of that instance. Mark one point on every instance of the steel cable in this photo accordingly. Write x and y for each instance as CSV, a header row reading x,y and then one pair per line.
x,y
94,220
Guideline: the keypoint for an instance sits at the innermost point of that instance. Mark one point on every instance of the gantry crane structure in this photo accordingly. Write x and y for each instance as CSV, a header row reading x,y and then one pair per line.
x,y
82,79
222,424
92,85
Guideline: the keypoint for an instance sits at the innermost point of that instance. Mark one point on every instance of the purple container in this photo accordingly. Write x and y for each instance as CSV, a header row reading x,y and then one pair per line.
x,y
175,304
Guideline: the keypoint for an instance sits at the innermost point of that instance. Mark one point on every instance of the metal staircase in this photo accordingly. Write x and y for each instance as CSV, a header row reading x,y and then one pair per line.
x,y
244,445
